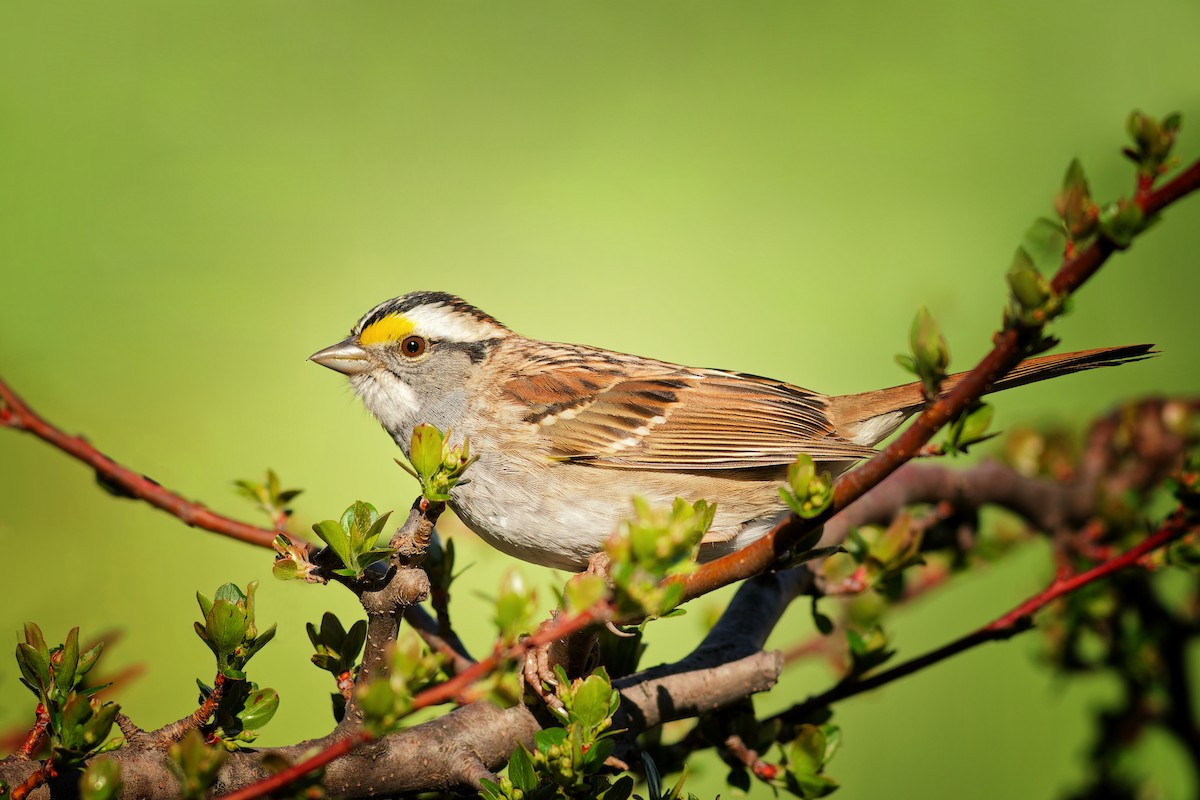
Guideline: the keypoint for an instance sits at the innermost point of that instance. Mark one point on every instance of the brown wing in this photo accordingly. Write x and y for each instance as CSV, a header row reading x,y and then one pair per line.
x,y
675,418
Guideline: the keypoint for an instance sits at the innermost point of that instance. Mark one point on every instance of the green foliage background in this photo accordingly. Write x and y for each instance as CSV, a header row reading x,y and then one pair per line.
x,y
195,196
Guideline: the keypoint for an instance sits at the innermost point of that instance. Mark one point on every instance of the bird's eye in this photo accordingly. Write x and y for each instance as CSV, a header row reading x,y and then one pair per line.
x,y
413,346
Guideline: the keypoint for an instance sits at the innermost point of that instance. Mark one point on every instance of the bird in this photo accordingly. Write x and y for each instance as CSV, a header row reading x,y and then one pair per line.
x,y
567,434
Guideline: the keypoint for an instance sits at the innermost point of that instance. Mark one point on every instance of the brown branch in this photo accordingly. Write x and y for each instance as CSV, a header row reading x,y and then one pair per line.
x,y
763,770
297,771
175,731
33,781
452,689
37,734
1009,347
1017,620
14,413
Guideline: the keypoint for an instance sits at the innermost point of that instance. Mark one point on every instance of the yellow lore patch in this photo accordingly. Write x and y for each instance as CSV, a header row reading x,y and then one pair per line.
x,y
391,328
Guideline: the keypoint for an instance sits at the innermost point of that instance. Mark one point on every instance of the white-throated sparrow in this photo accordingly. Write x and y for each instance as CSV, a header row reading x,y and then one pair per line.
x,y
566,434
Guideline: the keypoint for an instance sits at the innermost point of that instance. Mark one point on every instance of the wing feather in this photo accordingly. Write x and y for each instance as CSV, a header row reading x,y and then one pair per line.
x,y
591,409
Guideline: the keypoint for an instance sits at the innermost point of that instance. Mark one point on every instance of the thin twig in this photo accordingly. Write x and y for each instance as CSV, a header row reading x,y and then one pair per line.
x,y
37,734
1017,620
175,731
1009,347
19,416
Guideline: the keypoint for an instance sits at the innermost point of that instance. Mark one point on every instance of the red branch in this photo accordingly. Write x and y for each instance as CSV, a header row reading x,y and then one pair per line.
x,y
37,734
35,779
297,771
1017,620
1008,349
175,731
14,413
550,631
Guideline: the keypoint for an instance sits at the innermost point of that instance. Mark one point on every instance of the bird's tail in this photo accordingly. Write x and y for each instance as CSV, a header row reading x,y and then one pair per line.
x,y
868,417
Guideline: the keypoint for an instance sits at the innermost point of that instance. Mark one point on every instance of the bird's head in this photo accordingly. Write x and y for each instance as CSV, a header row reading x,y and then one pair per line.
x,y
410,358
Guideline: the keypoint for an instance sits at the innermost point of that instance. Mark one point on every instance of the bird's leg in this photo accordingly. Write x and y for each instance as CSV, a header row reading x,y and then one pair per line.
x,y
577,654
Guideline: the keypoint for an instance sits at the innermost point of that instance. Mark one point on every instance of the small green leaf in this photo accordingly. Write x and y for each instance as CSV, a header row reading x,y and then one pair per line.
x,y
331,533
520,770
226,626
260,708
35,639
426,450
592,699
34,668
64,673
88,659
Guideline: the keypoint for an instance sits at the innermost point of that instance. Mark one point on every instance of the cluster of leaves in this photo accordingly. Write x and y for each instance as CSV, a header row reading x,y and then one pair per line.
x,y
806,492
231,632
929,360
1080,219
930,353
353,538
646,550
1153,141
567,761
883,554
802,751
229,628
270,497
242,712
436,464
77,722
337,652
805,760
386,699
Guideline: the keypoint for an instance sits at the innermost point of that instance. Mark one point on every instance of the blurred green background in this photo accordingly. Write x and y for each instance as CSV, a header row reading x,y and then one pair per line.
x,y
195,196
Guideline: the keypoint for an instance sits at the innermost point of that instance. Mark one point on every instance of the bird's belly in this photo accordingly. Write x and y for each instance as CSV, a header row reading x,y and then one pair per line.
x,y
559,519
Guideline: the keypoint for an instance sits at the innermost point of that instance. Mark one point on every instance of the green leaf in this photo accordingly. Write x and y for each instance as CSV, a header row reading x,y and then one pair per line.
x,y
1029,287
928,345
621,789
259,643
426,450
520,770
353,643
34,667
64,673
653,776
35,639
231,592
96,730
331,533
205,604
226,626
260,708
89,659
546,738
285,569
590,708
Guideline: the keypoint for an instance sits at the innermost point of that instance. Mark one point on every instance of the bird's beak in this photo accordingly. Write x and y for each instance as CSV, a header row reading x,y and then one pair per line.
x,y
345,357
